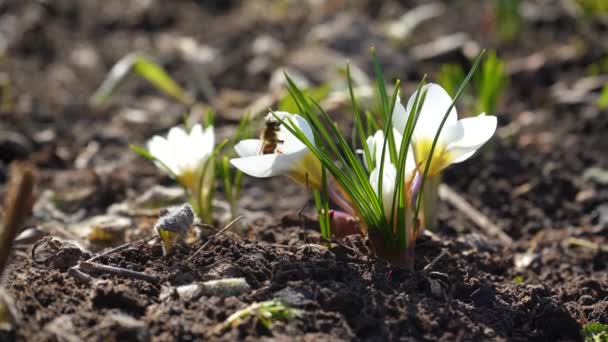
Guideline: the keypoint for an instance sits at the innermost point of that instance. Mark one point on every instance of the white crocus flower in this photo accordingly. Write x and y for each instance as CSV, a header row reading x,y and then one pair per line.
x,y
290,158
375,144
183,154
459,139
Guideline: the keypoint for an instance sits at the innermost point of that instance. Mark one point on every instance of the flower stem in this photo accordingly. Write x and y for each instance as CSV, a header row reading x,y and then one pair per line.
x,y
430,199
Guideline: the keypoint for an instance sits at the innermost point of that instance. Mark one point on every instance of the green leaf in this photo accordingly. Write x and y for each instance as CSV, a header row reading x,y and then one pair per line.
x,y
450,77
490,84
320,93
144,68
518,279
596,332
158,77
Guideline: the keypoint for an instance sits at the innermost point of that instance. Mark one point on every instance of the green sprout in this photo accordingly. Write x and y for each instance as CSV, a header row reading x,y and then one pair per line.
x,y
147,70
450,77
266,312
596,332
490,84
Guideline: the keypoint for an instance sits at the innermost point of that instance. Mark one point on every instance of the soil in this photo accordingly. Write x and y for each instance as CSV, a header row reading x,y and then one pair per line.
x,y
542,179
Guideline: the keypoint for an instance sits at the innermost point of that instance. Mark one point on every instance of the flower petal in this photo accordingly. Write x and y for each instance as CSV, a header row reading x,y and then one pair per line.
x,y
476,132
248,147
389,175
160,148
375,144
290,143
267,165
436,103
257,166
400,115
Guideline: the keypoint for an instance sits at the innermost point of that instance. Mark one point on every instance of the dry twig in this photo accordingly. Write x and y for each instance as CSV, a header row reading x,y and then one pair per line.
x,y
17,204
435,261
211,238
481,220
118,271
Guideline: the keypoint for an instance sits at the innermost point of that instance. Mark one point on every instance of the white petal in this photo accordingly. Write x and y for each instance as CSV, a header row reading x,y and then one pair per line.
x,y
267,165
196,133
290,143
257,166
248,147
388,185
375,144
400,115
410,162
177,136
436,103
161,149
207,142
303,125
476,132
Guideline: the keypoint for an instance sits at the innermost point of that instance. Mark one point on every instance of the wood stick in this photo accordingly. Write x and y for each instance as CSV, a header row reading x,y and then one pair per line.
x,y
476,216
80,276
213,237
435,261
121,272
17,204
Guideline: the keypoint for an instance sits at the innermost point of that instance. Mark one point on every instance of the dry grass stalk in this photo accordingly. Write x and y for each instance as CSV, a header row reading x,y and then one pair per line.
x,y
18,203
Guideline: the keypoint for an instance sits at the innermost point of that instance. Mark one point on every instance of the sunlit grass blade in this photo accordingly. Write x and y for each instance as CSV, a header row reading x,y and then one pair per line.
x,y
490,83
319,93
358,122
144,68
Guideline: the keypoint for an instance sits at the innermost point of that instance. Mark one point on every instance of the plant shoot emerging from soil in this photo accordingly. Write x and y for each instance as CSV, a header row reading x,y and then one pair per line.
x,y
487,88
174,224
265,312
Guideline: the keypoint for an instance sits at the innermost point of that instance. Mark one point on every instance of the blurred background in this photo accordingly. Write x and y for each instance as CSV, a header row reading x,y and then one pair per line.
x,y
550,66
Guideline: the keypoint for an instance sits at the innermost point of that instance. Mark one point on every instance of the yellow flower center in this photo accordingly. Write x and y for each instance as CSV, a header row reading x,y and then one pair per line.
x,y
440,160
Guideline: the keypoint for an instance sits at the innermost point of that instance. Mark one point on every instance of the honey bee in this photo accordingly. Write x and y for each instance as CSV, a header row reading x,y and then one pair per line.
x,y
269,136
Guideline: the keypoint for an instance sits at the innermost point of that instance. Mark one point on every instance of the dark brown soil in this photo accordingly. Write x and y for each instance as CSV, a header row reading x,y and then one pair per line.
x,y
542,179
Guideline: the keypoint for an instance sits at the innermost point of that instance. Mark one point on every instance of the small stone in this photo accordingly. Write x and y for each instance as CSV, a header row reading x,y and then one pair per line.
x,y
596,175
294,297
57,253
225,287
435,288
524,260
